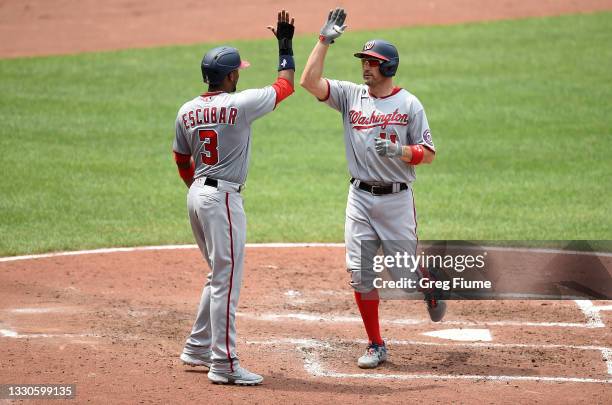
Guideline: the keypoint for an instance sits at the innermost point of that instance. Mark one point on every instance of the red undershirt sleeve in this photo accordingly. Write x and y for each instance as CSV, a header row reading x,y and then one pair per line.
x,y
283,89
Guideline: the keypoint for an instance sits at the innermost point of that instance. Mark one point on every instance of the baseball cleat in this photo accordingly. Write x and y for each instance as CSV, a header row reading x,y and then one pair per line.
x,y
374,356
240,376
195,360
436,309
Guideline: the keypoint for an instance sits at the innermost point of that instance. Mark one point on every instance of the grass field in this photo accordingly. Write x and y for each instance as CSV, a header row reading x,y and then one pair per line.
x,y
520,113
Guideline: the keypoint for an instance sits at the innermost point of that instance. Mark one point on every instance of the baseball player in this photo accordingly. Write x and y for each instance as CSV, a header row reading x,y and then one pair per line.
x,y
386,135
211,149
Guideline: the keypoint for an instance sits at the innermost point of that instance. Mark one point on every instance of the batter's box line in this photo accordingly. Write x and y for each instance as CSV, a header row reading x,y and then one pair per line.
x,y
313,317
314,367
591,312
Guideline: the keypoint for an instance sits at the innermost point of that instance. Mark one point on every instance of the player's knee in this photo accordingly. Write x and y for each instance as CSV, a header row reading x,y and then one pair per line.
x,y
362,280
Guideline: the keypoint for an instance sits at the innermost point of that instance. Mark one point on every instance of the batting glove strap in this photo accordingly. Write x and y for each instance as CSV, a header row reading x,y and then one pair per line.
x,y
285,46
286,62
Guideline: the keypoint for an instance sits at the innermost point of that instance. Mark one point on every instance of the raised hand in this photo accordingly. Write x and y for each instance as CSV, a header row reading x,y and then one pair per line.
x,y
284,32
333,27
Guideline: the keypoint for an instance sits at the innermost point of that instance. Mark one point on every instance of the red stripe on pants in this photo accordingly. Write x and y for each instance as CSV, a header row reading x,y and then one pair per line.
x,y
229,295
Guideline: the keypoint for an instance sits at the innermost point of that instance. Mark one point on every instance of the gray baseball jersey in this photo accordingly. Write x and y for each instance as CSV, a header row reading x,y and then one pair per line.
x,y
215,129
399,117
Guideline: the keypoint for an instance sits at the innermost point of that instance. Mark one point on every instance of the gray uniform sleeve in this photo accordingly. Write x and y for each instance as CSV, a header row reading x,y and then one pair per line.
x,y
418,127
339,93
257,102
181,143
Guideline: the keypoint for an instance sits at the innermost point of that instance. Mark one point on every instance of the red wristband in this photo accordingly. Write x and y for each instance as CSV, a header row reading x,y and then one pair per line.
x,y
418,152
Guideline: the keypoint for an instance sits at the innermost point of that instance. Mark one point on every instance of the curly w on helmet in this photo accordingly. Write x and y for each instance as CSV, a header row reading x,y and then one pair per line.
x,y
219,62
384,51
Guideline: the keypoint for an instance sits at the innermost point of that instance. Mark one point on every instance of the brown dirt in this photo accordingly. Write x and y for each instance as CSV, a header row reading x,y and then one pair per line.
x,y
43,27
115,323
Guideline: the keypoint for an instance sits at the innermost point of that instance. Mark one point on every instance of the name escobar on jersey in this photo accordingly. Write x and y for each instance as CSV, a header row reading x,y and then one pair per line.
x,y
210,115
378,119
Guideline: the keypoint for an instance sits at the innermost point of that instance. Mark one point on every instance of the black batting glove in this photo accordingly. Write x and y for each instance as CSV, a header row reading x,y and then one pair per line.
x,y
284,33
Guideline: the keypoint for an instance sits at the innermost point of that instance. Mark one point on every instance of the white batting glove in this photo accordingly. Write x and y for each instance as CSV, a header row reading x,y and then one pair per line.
x,y
333,27
384,147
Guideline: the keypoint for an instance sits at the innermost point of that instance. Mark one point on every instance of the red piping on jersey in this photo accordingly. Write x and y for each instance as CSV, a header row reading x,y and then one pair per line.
x,y
283,89
212,93
393,93
229,295
428,148
327,95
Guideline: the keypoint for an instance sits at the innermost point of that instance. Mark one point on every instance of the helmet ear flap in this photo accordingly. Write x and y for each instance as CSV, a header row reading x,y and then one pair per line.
x,y
389,68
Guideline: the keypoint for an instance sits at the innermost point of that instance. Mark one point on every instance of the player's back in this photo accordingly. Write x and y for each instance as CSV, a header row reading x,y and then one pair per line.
x,y
215,129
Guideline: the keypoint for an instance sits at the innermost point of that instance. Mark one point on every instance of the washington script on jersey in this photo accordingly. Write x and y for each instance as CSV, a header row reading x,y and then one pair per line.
x,y
377,119
210,115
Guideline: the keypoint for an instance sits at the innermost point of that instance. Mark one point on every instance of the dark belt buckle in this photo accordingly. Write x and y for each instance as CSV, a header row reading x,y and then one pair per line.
x,y
381,190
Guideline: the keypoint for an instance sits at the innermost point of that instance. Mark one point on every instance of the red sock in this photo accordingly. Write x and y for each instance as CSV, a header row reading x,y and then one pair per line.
x,y
368,307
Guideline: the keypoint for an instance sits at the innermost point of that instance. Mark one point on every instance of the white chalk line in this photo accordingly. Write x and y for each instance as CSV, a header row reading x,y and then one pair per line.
x,y
35,310
310,317
409,342
9,333
280,245
591,312
607,356
314,367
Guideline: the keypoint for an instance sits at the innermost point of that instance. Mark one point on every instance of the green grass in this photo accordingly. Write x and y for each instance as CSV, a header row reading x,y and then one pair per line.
x,y
520,112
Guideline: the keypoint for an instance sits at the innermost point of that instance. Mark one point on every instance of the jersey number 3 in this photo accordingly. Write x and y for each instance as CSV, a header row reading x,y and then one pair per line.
x,y
210,156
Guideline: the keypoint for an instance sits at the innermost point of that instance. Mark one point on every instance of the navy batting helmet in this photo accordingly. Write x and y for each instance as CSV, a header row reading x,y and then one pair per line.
x,y
219,62
385,52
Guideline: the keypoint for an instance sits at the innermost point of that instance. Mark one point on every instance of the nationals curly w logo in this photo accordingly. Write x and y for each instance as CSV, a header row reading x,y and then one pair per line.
x,y
368,45
427,138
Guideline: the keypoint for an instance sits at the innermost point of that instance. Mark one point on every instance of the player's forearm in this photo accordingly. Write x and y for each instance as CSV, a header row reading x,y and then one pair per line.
x,y
288,75
312,76
407,155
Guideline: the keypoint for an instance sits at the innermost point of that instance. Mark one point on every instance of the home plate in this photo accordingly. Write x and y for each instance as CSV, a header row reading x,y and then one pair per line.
x,y
463,335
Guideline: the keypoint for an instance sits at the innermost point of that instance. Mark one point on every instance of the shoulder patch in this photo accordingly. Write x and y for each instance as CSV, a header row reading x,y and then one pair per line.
x,y
427,138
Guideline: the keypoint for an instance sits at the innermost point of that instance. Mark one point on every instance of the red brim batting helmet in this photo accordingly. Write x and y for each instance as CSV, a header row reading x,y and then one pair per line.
x,y
385,52
219,62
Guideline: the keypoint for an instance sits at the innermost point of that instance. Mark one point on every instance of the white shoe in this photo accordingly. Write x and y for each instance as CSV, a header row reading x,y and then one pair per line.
x,y
373,357
195,360
240,376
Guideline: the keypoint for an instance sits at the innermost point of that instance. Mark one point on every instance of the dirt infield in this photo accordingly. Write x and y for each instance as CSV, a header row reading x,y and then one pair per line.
x,y
43,27
114,324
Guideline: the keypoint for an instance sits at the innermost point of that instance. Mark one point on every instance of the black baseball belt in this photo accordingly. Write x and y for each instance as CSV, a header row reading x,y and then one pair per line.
x,y
381,189
211,182
215,183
